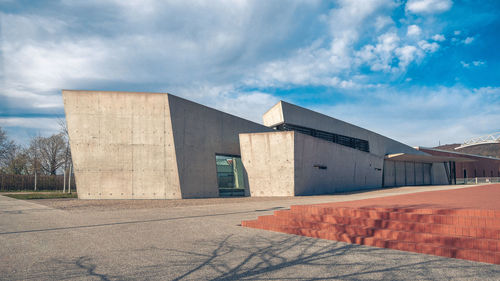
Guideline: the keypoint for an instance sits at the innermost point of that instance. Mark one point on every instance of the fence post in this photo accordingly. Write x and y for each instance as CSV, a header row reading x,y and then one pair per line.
x,y
69,178
64,182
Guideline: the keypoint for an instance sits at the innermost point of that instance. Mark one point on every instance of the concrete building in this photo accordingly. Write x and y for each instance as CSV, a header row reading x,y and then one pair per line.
x,y
148,145
128,145
311,153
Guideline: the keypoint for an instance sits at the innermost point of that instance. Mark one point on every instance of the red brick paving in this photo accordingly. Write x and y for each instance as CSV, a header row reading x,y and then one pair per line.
x,y
477,197
461,223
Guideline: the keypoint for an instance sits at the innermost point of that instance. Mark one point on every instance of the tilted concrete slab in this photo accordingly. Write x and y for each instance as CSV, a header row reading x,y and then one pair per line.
x,y
284,112
288,163
130,145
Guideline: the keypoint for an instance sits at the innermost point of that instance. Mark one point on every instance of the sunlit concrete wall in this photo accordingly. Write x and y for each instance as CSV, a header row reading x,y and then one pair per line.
x,y
288,164
128,145
268,159
122,145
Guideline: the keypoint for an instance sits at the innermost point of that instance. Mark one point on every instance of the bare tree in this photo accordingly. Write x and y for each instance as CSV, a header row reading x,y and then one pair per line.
x,y
48,152
68,163
16,161
63,129
6,147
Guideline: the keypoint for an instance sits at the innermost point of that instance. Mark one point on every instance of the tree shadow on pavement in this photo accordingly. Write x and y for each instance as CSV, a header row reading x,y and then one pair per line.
x,y
293,257
268,257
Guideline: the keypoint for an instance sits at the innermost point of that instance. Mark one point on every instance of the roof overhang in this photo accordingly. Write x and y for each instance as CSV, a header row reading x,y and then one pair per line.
x,y
425,158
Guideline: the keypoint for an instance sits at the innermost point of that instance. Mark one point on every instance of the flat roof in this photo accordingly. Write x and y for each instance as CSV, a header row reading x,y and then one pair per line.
x,y
425,158
457,152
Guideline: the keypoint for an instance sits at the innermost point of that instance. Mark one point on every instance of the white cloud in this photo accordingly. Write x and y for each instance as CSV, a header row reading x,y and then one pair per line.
x,y
332,60
381,56
210,52
428,47
457,32
476,63
438,37
414,30
382,22
325,61
249,105
214,43
21,130
428,6
468,40
406,55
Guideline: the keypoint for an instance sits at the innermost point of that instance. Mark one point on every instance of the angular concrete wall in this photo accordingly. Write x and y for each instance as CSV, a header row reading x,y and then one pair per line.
x,y
269,162
199,134
284,112
122,145
344,168
287,164
148,145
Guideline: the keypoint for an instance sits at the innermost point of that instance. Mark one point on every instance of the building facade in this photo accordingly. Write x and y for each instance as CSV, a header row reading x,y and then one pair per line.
x,y
130,145
311,153
478,167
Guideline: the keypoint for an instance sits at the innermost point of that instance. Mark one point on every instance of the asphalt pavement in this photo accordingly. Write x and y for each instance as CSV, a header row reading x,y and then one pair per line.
x,y
41,240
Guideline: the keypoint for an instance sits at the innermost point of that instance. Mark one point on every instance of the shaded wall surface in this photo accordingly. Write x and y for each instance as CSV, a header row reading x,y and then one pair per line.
x,y
402,173
128,145
199,133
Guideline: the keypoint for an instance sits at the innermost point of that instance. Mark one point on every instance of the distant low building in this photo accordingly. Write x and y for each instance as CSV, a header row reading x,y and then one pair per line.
x,y
130,145
479,166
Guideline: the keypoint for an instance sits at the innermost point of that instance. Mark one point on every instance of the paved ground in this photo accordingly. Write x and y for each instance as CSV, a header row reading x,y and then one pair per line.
x,y
196,240
485,197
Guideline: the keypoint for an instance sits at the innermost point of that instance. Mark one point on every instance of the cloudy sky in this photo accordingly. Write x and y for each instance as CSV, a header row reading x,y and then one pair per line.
x,y
419,71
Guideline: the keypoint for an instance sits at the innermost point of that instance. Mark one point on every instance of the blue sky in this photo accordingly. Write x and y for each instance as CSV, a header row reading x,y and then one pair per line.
x,y
419,71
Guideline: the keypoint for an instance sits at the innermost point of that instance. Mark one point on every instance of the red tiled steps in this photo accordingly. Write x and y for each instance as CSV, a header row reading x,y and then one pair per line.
x,y
477,227
382,233
464,234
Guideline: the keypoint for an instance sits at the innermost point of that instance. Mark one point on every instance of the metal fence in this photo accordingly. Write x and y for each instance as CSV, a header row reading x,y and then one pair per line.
x,y
478,180
27,182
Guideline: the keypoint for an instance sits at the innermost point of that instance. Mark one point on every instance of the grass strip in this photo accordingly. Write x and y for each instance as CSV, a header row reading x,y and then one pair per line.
x,y
45,195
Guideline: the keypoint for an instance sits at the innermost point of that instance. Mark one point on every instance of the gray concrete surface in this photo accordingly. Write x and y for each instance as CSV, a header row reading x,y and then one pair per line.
x,y
132,145
284,112
268,159
284,163
197,240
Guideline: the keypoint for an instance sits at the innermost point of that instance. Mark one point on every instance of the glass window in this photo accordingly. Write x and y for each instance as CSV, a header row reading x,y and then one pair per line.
x,y
230,175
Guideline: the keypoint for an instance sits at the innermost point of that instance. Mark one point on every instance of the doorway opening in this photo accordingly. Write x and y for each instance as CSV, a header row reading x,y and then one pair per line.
x,y
230,175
